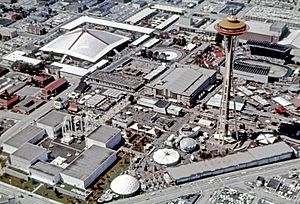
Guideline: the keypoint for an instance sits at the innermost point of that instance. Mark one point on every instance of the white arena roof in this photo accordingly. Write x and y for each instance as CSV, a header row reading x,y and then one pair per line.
x,y
89,45
125,185
86,19
166,156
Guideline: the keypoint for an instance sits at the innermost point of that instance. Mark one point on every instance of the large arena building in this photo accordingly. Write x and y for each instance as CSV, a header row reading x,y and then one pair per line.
x,y
85,44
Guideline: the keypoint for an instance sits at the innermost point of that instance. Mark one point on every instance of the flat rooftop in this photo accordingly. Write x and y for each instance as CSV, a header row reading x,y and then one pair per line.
x,y
251,155
52,118
183,81
88,162
46,168
120,81
25,135
86,19
103,133
29,152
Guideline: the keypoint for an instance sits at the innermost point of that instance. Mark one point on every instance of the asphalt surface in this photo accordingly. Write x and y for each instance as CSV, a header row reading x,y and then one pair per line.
x,y
209,185
22,196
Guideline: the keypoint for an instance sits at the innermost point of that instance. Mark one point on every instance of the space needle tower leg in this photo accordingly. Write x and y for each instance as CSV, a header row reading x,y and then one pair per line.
x,y
229,51
230,28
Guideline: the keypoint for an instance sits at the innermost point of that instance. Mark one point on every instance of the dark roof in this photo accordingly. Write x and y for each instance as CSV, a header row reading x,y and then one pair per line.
x,y
274,184
3,71
81,87
162,103
268,45
5,22
251,68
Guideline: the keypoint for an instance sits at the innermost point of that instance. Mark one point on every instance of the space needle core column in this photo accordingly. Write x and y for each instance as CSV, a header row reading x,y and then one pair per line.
x,y
230,28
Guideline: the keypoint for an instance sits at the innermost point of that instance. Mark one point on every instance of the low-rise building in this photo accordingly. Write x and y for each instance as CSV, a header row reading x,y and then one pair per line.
x,y
88,166
45,172
104,136
27,155
54,88
30,134
182,84
52,123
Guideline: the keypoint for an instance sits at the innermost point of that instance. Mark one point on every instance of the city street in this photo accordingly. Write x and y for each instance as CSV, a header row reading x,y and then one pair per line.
x,y
208,185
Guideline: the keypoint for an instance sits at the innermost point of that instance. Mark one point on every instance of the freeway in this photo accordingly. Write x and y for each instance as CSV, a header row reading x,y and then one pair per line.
x,y
209,185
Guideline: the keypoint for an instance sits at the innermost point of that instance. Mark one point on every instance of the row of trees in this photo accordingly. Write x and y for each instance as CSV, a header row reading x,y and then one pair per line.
x,y
24,67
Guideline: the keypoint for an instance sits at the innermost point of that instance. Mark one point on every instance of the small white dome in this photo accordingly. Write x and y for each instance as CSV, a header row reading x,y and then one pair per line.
x,y
125,185
166,156
188,144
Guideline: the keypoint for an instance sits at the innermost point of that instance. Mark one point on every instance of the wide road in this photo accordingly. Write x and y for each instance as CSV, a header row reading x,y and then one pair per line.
x,y
24,197
209,185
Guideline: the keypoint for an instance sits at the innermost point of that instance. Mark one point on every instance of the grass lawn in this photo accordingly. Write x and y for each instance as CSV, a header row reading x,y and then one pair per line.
x,y
49,193
104,181
26,185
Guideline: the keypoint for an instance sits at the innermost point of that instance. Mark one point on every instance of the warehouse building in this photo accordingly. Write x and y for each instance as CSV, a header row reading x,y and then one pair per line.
x,y
241,160
45,172
88,166
259,31
29,134
182,84
104,136
52,123
27,155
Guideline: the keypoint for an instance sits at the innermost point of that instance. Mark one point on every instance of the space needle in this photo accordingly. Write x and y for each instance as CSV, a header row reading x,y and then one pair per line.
x,y
230,28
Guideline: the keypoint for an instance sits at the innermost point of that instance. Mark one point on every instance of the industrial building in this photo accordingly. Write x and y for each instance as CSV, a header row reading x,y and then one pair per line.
x,y
104,136
88,166
259,31
27,155
30,134
52,123
241,160
182,84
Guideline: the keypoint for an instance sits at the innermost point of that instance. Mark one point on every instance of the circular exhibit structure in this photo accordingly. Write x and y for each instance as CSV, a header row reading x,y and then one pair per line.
x,y
187,131
125,185
166,157
171,54
188,145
